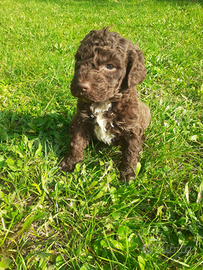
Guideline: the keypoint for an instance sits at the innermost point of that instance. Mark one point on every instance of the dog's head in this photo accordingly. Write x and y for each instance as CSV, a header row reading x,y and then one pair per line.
x,y
106,64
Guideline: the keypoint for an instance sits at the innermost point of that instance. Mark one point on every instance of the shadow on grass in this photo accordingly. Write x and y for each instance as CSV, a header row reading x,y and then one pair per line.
x,y
52,128
52,131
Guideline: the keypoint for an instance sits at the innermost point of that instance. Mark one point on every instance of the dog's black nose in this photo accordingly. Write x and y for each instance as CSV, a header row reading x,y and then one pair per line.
x,y
83,86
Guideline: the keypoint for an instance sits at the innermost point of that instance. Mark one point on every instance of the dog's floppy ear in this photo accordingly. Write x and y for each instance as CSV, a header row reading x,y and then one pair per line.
x,y
136,71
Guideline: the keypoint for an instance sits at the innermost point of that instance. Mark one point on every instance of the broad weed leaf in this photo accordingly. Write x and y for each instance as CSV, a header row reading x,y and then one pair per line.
x,y
141,262
11,164
116,244
138,168
4,263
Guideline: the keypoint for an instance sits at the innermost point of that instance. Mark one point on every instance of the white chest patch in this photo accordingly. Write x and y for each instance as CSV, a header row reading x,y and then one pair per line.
x,y
100,130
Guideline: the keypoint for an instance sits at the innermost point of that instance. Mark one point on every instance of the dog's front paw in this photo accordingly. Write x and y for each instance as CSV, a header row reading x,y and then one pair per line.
x,y
67,165
127,177
127,172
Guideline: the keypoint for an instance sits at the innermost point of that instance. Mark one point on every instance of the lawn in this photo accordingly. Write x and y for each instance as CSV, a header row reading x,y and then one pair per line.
x,y
89,219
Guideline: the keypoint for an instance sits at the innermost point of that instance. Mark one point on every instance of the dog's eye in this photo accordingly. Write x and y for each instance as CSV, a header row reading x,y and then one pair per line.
x,y
109,66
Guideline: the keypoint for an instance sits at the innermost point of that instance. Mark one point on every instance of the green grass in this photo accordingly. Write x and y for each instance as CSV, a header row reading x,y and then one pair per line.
x,y
89,219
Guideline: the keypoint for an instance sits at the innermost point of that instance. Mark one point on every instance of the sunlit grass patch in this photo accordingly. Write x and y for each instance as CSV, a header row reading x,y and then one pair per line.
x,y
88,219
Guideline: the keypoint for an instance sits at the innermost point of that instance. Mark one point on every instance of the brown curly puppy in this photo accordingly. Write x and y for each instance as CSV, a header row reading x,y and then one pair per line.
x,y
107,70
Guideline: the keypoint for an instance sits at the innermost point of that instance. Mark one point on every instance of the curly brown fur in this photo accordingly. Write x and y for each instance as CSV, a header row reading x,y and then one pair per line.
x,y
107,70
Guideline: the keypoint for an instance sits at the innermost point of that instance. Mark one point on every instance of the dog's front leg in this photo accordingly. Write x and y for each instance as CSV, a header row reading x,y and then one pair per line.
x,y
131,147
79,139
